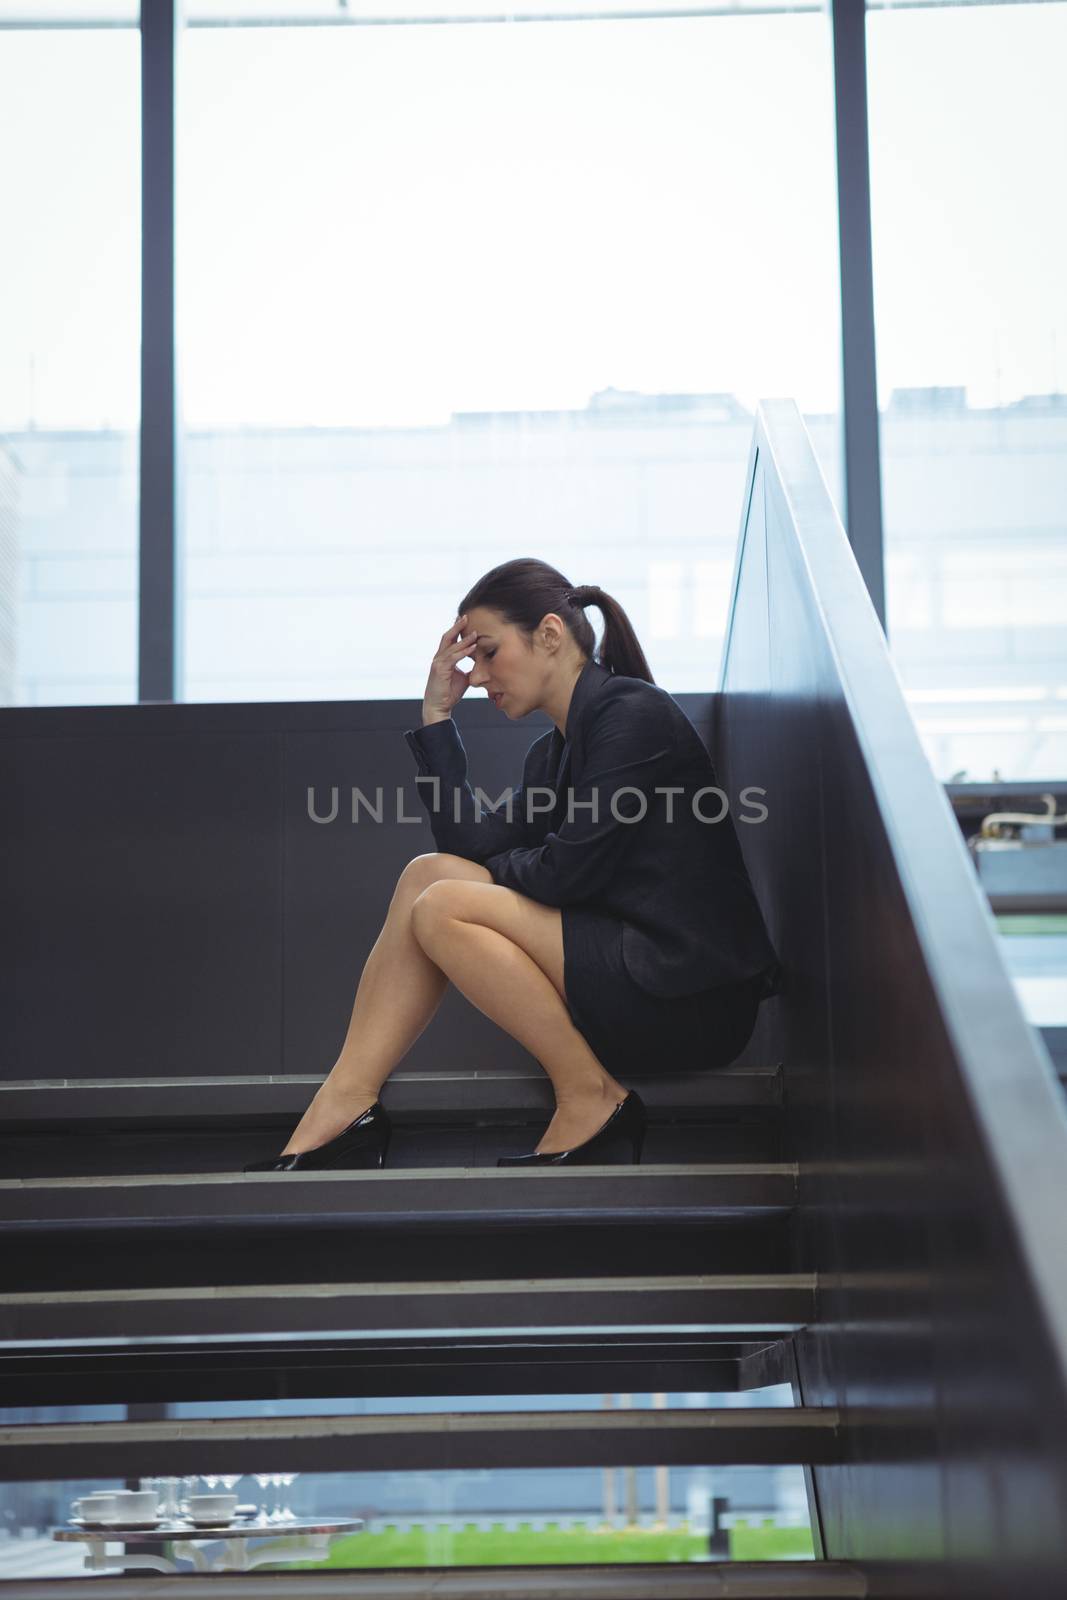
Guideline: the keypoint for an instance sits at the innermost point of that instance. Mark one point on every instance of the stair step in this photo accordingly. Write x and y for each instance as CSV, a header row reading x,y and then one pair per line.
x,y
165,1254
490,1195
100,1150
149,1231
775,1303
459,1096
101,1126
348,1368
718,1580
425,1442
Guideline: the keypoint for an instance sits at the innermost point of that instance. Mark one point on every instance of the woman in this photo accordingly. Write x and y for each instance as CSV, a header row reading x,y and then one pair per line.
x,y
601,914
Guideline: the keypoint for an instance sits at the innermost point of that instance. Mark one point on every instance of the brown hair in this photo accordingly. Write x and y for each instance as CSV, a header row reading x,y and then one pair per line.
x,y
525,589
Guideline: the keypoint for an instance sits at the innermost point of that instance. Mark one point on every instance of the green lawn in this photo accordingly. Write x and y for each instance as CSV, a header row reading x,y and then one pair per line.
x,y
765,1542
551,1546
1017,922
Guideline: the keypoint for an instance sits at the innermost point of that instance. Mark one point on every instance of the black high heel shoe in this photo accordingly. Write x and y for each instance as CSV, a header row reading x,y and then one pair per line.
x,y
627,1124
364,1143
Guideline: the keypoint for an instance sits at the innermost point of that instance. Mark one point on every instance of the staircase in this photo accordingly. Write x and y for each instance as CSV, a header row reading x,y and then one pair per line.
x,y
158,1281
867,1207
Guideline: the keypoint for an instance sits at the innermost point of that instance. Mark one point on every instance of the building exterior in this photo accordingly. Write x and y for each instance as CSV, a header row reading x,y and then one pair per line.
x,y
325,563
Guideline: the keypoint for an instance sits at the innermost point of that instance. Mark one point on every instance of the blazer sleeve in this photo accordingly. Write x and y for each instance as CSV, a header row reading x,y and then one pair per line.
x,y
629,746
453,808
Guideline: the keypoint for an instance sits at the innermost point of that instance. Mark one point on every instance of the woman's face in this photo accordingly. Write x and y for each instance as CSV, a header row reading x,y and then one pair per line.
x,y
513,674
502,662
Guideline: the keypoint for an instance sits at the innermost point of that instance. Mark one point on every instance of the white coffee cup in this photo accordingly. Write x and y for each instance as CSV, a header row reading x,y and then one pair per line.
x,y
212,1507
94,1507
135,1505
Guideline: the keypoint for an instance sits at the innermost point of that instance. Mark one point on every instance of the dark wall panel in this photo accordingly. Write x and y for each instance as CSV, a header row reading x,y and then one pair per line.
x,y
170,908
142,893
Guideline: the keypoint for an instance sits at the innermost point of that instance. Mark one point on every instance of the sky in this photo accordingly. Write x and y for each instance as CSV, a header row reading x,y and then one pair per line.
x,y
382,226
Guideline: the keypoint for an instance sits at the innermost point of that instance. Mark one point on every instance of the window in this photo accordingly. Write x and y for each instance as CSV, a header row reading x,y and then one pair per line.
x,y
69,364
453,294
970,268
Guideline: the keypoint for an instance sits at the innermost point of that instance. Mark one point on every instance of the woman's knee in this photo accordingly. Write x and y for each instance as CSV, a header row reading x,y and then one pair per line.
x,y
418,873
433,867
440,901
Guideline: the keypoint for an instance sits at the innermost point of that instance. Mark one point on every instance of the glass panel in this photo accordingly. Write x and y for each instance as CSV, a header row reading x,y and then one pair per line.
x,y
57,13
491,1518
775,1396
418,343
239,12
1035,952
970,264
69,367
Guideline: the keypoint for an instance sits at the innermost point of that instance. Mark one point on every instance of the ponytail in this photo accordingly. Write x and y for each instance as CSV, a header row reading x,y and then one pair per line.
x,y
620,650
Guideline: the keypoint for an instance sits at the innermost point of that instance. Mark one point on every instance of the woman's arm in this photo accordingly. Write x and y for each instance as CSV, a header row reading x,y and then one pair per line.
x,y
628,747
451,803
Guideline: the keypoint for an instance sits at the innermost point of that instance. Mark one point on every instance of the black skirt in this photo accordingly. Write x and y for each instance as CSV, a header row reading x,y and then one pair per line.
x,y
631,1031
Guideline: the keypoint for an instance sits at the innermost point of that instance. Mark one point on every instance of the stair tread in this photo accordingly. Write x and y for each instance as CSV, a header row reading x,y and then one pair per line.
x,y
490,1194
402,1369
769,1302
632,1580
481,1091
432,1441
680,1419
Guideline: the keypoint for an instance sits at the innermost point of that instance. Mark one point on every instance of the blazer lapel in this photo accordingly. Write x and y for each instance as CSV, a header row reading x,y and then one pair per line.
x,y
561,780
589,681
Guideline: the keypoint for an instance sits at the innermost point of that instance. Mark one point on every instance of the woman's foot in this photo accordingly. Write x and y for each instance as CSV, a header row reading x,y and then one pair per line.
x,y
334,1106
578,1116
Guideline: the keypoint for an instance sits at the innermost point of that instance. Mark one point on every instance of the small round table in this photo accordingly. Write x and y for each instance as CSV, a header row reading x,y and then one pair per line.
x,y
286,1541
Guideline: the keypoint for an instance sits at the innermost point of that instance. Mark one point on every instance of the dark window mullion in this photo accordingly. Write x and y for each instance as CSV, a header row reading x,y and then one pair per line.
x,y
159,631
862,464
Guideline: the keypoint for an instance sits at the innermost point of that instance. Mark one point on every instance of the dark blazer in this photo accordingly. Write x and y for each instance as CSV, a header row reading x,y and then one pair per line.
x,y
679,885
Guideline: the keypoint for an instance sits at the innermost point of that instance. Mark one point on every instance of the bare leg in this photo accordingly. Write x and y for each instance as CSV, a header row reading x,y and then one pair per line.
x,y
481,939
399,990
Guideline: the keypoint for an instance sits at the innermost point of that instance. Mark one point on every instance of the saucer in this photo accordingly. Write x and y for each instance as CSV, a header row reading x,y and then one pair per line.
x,y
116,1522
